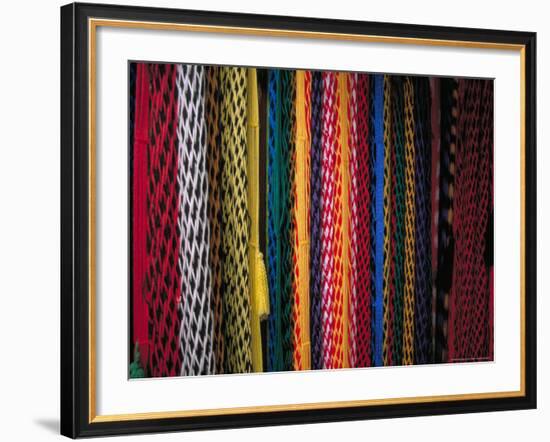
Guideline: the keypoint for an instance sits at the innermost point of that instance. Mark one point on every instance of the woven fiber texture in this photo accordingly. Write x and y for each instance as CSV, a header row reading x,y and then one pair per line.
x,y
377,149
469,337
330,141
398,163
315,214
259,299
445,251
196,332
341,240
140,140
423,248
435,147
281,183
360,223
389,226
163,240
410,220
288,155
235,217
300,313
274,341
370,196
132,105
214,163
345,135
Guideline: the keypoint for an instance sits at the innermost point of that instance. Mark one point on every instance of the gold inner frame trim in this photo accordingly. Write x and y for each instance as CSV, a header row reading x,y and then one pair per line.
x,y
93,24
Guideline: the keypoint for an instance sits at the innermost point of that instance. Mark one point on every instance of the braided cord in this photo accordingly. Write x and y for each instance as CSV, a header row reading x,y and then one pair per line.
x,y
398,142
353,219
236,301
315,211
481,334
435,152
445,251
214,164
389,228
297,304
288,97
470,296
329,140
339,337
163,241
305,240
196,331
274,341
257,282
301,355
360,223
423,261
408,317
140,140
378,217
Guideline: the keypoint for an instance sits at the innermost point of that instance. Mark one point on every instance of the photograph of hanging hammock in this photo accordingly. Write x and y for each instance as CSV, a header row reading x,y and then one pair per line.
x,y
301,220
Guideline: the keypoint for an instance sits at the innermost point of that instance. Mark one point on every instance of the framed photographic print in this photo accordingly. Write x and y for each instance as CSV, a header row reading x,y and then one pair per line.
x,y
274,220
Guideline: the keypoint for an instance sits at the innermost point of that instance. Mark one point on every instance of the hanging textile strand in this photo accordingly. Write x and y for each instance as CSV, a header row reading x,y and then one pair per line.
x,y
214,164
377,147
288,128
470,292
330,137
259,297
408,307
435,152
163,240
423,261
140,319
339,304
315,214
389,228
274,341
398,141
345,253
360,223
445,252
196,332
301,341
236,299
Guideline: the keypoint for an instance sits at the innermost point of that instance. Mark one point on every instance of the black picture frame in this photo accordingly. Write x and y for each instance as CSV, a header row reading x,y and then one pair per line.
x,y
76,419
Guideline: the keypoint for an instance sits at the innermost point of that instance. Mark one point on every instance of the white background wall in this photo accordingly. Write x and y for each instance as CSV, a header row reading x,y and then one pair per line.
x,y
29,219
